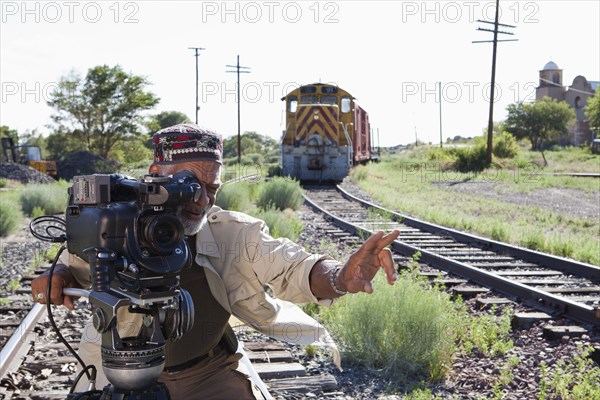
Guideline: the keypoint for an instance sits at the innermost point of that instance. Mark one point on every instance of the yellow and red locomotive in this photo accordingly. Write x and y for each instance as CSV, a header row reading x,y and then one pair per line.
x,y
326,133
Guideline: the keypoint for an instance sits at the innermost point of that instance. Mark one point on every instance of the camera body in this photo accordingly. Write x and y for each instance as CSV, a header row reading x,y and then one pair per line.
x,y
130,234
135,218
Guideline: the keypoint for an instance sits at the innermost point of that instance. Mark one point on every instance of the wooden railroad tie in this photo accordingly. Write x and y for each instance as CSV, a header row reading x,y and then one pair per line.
x,y
275,365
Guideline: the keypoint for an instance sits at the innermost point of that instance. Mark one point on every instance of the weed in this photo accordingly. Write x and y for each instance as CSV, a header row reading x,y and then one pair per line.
x,y
52,199
498,391
310,351
13,285
281,224
10,217
280,193
37,212
499,232
236,197
489,333
577,378
544,382
421,394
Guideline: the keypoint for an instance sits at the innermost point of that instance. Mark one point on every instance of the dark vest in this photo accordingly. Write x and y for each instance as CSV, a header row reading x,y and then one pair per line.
x,y
210,318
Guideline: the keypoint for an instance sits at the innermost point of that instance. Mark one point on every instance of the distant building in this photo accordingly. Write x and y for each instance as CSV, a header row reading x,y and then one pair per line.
x,y
577,95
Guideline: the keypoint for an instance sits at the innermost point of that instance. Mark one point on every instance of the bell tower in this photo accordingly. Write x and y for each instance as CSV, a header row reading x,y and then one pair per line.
x,y
551,84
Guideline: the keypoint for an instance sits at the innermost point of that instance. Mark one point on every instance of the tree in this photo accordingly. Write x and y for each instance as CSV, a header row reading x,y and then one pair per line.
x,y
6,132
59,144
251,142
165,119
592,113
540,121
102,109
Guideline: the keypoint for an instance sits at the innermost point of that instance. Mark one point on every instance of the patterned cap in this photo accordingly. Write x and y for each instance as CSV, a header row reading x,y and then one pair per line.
x,y
185,143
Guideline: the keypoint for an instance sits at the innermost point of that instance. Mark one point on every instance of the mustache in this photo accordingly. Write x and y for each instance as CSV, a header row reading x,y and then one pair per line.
x,y
191,227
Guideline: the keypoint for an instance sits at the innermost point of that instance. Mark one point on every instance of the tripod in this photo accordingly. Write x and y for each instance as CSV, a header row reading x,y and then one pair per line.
x,y
157,392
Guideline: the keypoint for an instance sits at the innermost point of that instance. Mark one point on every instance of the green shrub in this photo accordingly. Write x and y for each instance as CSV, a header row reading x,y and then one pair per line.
x,y
252,159
52,199
281,224
443,155
280,193
10,217
275,170
3,182
505,146
472,158
236,196
406,330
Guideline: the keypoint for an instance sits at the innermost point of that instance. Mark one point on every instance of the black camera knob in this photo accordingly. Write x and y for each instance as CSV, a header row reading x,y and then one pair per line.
x,y
99,320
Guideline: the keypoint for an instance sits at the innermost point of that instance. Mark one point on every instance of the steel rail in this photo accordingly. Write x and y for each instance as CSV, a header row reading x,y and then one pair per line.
x,y
21,341
589,271
534,298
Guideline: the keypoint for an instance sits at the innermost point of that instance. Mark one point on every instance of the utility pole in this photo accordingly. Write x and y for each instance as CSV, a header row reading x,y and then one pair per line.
x,y
239,69
495,41
197,54
416,138
440,91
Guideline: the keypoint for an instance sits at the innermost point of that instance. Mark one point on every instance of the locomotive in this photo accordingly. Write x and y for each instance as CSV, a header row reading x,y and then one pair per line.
x,y
326,133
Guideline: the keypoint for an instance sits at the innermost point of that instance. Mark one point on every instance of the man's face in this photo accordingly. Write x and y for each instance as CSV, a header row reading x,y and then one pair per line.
x,y
208,173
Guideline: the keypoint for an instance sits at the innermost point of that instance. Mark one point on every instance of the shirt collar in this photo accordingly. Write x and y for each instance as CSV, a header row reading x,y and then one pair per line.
x,y
205,241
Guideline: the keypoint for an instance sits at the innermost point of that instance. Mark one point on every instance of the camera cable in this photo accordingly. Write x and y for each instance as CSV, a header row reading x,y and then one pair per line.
x,y
57,225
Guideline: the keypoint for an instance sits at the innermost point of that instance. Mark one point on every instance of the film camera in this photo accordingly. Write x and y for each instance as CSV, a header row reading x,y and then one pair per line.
x,y
129,233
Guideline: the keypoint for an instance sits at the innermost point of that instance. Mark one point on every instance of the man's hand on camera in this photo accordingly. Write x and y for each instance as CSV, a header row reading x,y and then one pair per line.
x,y
61,278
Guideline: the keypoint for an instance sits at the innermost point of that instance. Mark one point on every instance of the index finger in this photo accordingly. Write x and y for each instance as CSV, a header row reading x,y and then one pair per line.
x,y
379,240
386,240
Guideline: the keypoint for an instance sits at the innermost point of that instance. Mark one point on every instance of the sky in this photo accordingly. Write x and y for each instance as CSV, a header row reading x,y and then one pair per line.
x,y
397,58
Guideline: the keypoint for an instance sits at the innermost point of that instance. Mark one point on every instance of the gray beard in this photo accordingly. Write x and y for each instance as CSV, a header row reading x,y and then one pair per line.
x,y
190,227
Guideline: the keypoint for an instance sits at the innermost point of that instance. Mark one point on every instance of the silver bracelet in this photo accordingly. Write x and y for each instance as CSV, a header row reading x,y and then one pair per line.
x,y
332,277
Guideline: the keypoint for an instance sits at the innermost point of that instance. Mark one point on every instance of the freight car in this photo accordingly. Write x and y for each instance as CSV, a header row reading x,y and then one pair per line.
x,y
326,133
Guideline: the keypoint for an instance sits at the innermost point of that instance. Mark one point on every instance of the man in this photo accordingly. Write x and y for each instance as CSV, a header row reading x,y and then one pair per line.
x,y
234,259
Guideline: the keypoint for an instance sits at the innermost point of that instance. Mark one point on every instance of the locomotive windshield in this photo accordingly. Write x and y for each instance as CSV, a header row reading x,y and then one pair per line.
x,y
328,100
308,89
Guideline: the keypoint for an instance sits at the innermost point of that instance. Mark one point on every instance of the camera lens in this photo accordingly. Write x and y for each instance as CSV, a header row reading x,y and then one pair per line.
x,y
161,233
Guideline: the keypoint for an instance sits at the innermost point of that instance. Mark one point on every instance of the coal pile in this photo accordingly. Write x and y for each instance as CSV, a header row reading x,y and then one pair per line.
x,y
84,163
23,173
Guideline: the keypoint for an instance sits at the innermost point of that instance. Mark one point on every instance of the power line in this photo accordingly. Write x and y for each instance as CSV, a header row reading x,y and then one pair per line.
x,y
197,54
239,70
569,87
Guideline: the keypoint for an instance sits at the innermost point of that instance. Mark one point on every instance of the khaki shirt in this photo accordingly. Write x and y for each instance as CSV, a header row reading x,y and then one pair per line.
x,y
240,258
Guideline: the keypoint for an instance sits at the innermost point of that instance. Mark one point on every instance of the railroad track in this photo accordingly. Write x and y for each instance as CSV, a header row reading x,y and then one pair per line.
x,y
551,284
35,365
